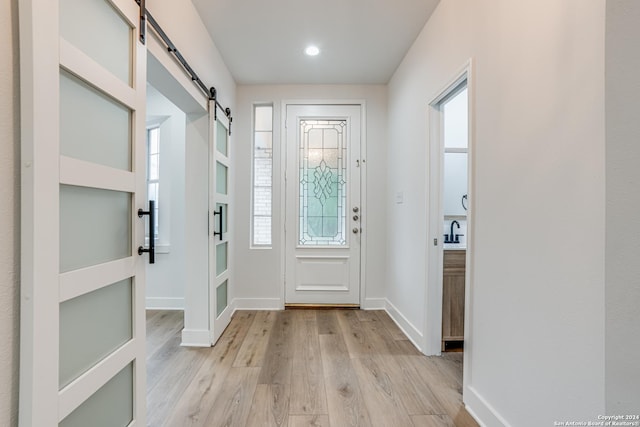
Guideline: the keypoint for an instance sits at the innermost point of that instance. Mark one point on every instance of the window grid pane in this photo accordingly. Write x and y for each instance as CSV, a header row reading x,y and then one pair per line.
x,y
262,175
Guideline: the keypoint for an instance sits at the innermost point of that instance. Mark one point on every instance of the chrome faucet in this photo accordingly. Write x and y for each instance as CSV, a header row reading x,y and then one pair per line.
x,y
453,238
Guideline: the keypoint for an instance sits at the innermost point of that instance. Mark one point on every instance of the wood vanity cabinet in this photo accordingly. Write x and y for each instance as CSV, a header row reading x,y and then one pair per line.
x,y
453,298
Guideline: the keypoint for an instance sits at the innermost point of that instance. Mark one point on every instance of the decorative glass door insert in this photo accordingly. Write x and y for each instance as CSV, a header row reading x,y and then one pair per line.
x,y
323,183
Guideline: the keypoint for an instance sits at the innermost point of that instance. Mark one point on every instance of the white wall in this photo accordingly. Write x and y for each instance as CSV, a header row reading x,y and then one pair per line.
x,y
184,27
536,352
9,212
258,271
166,278
623,223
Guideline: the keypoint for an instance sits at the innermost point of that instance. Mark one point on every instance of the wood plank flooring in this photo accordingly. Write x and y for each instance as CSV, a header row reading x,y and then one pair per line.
x,y
298,368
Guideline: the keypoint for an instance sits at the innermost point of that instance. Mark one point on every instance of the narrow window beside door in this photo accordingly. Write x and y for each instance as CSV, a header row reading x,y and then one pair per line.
x,y
262,175
153,173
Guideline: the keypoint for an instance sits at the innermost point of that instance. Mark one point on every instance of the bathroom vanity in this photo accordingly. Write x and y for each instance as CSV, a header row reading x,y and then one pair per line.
x,y
453,299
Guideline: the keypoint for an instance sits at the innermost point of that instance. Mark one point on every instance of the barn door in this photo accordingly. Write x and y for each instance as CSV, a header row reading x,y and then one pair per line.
x,y
82,356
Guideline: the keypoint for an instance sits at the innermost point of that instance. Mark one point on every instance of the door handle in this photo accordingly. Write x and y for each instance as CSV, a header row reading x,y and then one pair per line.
x,y
151,250
219,213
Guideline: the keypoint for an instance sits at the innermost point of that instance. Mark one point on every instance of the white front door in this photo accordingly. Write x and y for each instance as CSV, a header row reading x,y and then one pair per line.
x,y
323,211
82,337
219,202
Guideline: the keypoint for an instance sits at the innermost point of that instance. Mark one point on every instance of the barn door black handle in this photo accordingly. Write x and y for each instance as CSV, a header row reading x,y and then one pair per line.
x,y
151,250
219,213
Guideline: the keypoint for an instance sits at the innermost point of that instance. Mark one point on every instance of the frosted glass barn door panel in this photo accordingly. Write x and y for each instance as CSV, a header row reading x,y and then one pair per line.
x,y
82,319
220,285
93,127
99,30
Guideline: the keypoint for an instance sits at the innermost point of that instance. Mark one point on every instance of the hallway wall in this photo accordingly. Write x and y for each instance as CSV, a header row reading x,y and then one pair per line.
x,y
258,271
623,223
9,212
537,343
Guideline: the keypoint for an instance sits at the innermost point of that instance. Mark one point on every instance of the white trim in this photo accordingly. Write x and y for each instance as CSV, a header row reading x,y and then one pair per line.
x,y
258,304
85,280
83,66
74,394
139,148
157,49
39,212
164,303
471,221
87,174
363,202
196,338
374,304
481,410
411,332
128,10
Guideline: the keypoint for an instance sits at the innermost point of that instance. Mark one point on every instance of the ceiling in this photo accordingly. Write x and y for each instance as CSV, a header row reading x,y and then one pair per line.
x,y
361,41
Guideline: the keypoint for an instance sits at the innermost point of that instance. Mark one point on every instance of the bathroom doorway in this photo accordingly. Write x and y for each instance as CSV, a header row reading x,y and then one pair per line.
x,y
450,217
455,142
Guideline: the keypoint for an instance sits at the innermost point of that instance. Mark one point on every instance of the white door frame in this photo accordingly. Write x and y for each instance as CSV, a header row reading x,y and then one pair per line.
x,y
363,184
165,73
433,302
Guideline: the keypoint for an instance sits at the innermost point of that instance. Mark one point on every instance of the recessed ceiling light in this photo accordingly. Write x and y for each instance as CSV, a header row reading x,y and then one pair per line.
x,y
312,50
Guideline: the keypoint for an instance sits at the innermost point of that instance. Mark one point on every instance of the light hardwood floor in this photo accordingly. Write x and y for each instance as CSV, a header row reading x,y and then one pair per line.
x,y
300,368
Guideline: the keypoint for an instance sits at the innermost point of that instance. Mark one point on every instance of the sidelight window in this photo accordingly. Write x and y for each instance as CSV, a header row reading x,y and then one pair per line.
x,y
262,175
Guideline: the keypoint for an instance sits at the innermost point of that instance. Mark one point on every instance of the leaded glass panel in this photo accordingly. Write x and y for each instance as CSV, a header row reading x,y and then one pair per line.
x,y
323,179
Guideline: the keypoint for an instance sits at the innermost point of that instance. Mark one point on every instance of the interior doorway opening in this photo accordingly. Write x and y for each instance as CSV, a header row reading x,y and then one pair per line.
x,y
177,131
451,213
455,194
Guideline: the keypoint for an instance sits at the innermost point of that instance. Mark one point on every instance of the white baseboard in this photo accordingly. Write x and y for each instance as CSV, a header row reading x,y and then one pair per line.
x,y
257,304
196,338
413,333
161,303
481,410
374,304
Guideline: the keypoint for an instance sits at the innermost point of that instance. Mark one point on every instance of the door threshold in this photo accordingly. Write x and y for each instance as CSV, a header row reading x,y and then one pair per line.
x,y
321,306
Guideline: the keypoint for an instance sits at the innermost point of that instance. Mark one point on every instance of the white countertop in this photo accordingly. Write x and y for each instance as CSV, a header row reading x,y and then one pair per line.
x,y
454,246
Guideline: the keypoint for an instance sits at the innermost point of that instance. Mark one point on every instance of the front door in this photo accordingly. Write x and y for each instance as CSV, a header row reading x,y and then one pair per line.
x,y
323,211
82,337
